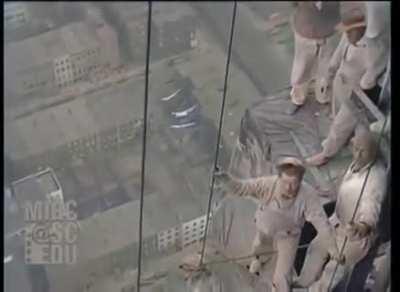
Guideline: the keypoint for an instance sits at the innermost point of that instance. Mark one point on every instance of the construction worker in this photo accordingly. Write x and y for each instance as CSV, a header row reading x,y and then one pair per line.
x,y
360,232
313,24
347,68
285,203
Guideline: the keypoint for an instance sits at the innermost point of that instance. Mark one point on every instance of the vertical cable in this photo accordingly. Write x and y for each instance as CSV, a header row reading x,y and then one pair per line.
x,y
146,101
221,118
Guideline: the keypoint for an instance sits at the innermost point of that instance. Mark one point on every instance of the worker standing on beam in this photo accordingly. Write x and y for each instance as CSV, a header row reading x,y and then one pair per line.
x,y
361,232
347,68
314,27
285,203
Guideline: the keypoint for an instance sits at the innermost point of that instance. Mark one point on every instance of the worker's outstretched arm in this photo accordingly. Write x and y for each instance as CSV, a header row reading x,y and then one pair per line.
x,y
253,187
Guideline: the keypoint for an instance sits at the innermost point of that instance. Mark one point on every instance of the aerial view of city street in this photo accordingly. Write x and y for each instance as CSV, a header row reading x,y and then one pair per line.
x,y
74,99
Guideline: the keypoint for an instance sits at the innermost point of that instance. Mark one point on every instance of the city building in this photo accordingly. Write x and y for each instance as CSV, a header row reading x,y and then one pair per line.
x,y
40,186
176,31
47,63
173,28
101,252
16,15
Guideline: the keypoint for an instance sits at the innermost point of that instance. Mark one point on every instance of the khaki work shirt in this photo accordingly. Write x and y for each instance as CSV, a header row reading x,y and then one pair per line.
x,y
371,200
348,62
278,217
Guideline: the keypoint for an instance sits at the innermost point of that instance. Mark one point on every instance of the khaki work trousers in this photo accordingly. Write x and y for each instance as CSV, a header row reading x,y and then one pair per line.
x,y
311,58
316,275
346,121
376,59
286,246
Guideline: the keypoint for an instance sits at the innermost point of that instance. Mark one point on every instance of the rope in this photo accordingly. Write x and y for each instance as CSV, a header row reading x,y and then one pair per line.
x,y
197,268
270,252
146,101
359,200
221,117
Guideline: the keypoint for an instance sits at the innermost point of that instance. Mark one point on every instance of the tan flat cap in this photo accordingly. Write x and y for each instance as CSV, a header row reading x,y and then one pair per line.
x,y
291,161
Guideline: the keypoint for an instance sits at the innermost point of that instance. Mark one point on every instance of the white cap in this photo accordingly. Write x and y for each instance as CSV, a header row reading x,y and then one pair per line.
x,y
290,160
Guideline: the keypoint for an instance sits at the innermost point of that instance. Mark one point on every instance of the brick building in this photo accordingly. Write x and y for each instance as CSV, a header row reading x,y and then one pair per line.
x,y
47,63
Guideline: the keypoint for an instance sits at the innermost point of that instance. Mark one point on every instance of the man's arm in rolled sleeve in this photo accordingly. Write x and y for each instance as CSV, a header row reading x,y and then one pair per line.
x,y
374,192
315,214
253,187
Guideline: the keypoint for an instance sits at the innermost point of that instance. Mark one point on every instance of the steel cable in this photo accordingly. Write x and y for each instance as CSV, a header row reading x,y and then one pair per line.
x,y
145,110
221,117
270,252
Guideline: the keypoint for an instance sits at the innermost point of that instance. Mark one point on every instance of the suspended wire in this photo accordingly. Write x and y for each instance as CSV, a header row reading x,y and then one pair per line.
x,y
359,200
219,128
221,118
270,252
146,101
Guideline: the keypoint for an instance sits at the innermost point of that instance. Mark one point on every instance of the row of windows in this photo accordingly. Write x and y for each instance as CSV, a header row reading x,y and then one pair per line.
x,y
28,85
65,83
76,71
88,53
64,65
61,63
63,77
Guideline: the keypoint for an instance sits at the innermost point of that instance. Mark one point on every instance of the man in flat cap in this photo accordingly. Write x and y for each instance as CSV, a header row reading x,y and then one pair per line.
x,y
346,69
360,231
313,24
285,203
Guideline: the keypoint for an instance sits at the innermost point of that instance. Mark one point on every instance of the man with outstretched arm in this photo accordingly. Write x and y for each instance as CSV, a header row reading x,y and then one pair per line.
x,y
285,203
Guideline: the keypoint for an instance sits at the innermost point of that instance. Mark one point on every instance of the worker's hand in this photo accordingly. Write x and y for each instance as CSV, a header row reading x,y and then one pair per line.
x,y
359,229
221,177
336,256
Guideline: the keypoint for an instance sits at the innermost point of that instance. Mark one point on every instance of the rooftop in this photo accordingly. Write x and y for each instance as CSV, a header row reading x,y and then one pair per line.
x,y
38,50
90,114
35,187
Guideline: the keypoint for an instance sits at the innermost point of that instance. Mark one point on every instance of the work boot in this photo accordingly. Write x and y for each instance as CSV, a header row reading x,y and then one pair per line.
x,y
317,159
255,266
